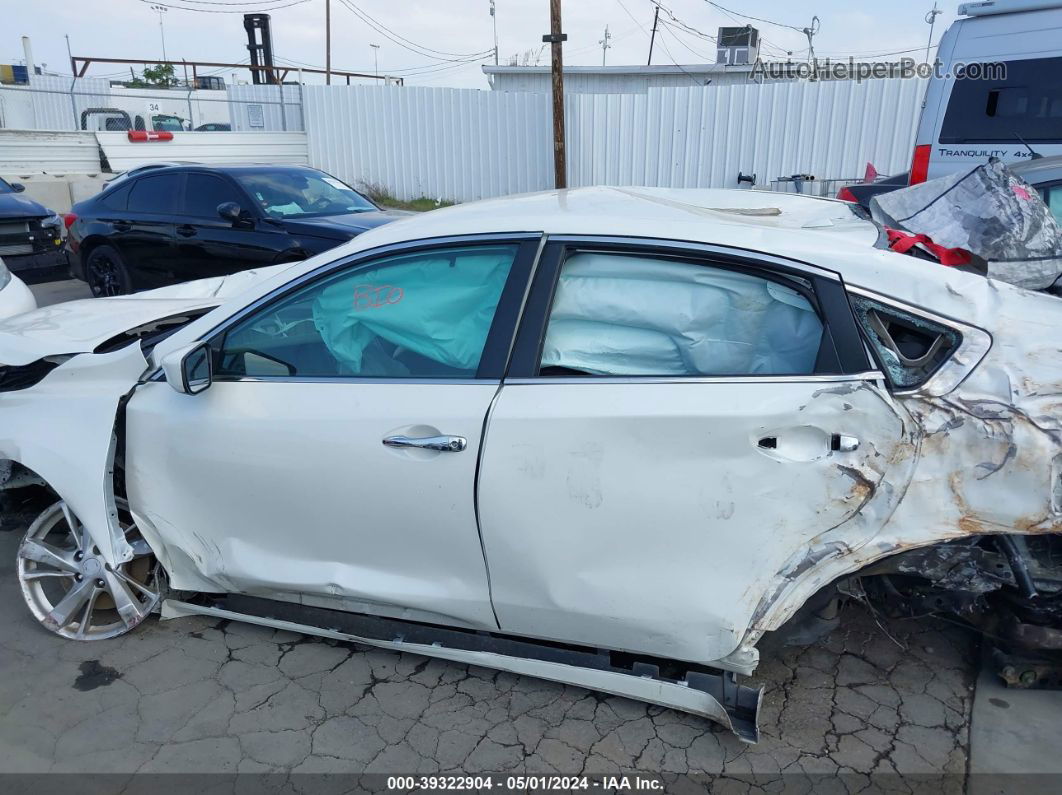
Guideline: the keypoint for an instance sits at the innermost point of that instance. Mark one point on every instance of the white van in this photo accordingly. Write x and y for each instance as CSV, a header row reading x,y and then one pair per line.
x,y
1014,50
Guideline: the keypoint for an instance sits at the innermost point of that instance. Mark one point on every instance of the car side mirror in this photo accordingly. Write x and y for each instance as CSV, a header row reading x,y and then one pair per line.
x,y
231,211
17,187
189,370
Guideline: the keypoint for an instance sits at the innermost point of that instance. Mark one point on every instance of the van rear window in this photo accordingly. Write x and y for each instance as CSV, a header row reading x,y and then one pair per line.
x,y
1027,104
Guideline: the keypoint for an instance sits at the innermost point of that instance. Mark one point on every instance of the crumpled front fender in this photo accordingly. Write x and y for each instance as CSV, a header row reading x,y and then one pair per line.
x,y
63,428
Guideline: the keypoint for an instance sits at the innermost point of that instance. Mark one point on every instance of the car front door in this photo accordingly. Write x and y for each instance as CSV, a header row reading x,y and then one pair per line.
x,y
677,427
333,458
144,236
209,245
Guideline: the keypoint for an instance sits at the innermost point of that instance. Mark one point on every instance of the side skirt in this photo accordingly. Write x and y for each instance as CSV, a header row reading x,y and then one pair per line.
x,y
711,694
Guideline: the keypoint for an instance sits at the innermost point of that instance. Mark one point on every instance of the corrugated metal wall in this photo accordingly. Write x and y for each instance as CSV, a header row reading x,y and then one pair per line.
x,y
206,147
702,137
443,143
55,108
265,108
26,152
464,145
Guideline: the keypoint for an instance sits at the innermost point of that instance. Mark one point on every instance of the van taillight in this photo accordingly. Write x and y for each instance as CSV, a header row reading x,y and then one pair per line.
x,y
920,164
69,219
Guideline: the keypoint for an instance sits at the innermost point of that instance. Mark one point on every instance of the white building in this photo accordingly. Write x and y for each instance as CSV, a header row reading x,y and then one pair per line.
x,y
616,79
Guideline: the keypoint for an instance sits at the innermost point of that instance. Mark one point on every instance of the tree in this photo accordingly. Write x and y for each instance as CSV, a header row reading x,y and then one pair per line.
x,y
160,75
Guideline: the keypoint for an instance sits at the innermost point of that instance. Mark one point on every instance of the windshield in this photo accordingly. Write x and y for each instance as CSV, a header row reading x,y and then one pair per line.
x,y
5,188
302,194
167,123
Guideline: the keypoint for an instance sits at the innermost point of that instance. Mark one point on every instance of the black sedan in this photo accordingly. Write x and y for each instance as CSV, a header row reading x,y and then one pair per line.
x,y
178,222
30,235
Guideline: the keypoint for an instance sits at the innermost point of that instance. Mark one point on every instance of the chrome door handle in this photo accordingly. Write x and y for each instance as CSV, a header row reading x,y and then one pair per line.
x,y
444,444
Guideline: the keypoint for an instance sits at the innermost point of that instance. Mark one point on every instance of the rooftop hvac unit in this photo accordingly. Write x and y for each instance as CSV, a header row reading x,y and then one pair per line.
x,y
736,46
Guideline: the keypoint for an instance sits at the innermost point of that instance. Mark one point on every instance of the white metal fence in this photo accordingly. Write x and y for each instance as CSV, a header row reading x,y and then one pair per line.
x,y
703,137
437,142
464,145
205,147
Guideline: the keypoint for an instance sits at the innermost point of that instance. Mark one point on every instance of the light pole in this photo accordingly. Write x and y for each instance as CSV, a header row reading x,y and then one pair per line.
x,y
160,10
375,59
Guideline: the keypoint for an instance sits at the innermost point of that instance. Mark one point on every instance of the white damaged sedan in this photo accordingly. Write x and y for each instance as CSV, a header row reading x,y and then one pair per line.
x,y
610,437
15,296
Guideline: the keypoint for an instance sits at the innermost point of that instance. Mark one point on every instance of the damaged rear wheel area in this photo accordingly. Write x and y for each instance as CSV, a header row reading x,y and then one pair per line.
x,y
1006,587
71,589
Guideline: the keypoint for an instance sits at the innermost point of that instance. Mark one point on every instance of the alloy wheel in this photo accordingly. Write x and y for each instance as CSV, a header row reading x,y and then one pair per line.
x,y
72,591
104,279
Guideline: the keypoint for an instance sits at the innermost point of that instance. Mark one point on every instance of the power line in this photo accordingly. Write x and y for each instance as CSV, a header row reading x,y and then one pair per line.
x,y
756,19
671,29
402,41
662,44
872,54
226,2
284,4
420,69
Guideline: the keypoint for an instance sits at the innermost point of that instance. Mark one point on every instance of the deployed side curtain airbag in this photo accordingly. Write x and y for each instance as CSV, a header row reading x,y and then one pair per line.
x,y
438,307
627,315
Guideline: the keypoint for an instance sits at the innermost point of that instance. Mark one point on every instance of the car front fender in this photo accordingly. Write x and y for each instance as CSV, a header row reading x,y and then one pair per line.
x,y
63,428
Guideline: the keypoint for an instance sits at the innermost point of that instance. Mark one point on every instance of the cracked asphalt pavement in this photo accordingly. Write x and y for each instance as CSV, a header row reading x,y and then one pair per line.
x,y
201,695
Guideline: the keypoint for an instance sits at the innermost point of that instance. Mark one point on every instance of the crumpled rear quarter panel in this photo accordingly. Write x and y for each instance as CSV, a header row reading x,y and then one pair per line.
x,y
988,453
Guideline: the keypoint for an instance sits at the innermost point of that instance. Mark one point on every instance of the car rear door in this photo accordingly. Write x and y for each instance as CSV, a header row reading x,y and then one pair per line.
x,y
680,427
333,458
144,236
209,245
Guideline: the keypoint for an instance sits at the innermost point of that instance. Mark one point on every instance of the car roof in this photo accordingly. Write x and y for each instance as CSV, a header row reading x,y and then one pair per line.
x,y
823,232
1042,169
227,168
783,223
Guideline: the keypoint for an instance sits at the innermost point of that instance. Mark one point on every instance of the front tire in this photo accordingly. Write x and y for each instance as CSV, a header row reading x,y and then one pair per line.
x,y
106,273
70,588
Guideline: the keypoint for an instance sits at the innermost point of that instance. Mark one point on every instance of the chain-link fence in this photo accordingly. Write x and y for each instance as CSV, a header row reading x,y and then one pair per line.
x,y
92,104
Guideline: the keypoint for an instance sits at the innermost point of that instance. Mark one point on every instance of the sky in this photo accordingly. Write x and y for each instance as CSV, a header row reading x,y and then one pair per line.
x,y
443,42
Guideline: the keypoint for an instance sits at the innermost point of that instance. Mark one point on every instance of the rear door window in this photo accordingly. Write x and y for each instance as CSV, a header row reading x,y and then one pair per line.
x,y
1052,195
155,194
1025,104
117,198
633,315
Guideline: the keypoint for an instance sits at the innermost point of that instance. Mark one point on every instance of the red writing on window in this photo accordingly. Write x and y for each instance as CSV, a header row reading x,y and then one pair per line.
x,y
369,296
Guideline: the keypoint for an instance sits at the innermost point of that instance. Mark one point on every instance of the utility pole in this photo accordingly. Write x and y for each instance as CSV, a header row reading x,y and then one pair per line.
x,y
494,19
652,38
328,42
375,59
556,39
605,45
931,18
160,10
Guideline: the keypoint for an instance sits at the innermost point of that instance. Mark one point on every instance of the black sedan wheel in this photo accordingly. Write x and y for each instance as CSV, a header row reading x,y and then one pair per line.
x,y
106,274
